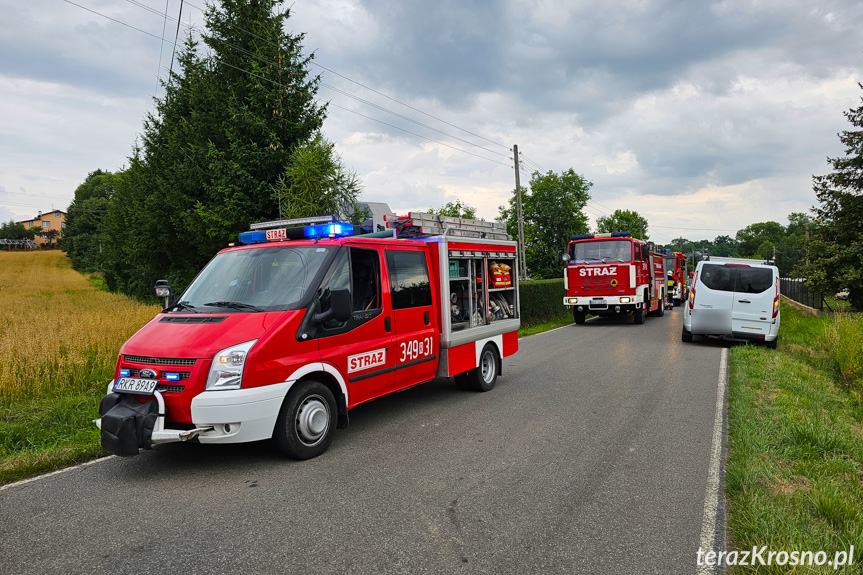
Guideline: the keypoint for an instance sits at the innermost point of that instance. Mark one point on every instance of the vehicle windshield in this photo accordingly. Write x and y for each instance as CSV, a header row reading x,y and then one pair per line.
x,y
601,251
258,279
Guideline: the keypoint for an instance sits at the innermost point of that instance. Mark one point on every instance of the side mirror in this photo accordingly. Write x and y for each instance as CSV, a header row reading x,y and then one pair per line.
x,y
564,257
341,307
163,290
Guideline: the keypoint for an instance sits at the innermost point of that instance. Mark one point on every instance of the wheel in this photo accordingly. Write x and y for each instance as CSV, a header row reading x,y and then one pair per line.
x,y
686,336
484,377
461,380
638,314
661,311
307,421
579,316
772,344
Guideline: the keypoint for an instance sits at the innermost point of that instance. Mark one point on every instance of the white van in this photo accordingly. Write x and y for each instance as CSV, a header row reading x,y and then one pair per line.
x,y
735,298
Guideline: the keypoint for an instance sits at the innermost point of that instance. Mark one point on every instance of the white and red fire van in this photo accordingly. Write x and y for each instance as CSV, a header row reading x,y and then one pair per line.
x,y
281,336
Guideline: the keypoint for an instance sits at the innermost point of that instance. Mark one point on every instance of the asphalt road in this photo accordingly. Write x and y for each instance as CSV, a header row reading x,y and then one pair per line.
x,y
590,456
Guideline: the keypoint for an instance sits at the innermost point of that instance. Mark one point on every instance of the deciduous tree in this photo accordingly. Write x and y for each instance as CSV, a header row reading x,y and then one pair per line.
x,y
623,221
552,213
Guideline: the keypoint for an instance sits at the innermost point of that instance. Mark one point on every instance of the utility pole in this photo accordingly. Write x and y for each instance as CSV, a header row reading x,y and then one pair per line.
x,y
522,265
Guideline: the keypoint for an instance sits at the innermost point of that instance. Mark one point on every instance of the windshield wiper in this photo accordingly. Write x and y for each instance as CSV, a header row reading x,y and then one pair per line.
x,y
181,306
234,305
612,259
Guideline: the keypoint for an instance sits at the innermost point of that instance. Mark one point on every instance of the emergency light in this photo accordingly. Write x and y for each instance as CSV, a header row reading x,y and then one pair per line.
x,y
582,237
336,229
329,229
125,373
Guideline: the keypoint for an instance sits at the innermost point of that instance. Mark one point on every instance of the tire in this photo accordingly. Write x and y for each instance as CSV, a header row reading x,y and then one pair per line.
x,y
661,311
483,377
580,317
686,336
638,315
772,344
462,382
307,421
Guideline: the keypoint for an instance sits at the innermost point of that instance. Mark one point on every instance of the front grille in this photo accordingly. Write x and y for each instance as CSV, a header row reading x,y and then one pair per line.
x,y
159,360
597,283
137,373
171,388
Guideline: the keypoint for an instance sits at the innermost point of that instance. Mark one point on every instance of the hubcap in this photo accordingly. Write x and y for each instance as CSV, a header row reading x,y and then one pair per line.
x,y
488,367
313,419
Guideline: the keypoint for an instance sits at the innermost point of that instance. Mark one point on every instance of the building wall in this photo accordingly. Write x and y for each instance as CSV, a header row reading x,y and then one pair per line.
x,y
55,220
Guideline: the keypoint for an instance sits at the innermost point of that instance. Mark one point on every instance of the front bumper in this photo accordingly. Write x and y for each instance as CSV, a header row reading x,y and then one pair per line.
x,y
233,416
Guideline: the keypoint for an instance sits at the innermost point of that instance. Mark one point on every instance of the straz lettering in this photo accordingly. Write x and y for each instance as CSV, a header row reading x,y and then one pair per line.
x,y
598,271
367,360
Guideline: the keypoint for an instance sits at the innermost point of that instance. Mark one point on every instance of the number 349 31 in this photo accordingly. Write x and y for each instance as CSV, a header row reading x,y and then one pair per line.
x,y
415,349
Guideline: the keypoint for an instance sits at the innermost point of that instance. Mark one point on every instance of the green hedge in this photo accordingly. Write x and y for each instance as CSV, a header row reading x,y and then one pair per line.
x,y
542,301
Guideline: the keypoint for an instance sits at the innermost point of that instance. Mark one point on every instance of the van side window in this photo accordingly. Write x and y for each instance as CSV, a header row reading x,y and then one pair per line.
x,y
409,279
718,277
366,279
339,279
754,280
358,271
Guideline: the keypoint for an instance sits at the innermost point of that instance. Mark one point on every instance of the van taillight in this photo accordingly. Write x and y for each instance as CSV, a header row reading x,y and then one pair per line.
x,y
776,300
692,292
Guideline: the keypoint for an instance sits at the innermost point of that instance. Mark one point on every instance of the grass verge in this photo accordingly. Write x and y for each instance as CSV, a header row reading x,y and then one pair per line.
x,y
58,348
794,473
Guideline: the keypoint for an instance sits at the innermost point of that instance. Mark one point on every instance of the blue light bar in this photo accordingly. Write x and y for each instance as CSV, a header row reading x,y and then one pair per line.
x,y
582,237
172,376
337,229
124,373
620,235
256,237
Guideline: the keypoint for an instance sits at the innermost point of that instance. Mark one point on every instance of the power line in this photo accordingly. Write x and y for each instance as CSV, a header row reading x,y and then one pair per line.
x,y
368,117
694,229
287,87
34,197
161,45
372,89
115,20
522,154
176,37
333,88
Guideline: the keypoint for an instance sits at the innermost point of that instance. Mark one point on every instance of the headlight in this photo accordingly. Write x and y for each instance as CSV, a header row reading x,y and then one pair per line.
x,y
625,300
226,371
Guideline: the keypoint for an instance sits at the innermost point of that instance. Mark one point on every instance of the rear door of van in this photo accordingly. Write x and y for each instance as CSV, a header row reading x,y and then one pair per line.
x,y
714,293
752,306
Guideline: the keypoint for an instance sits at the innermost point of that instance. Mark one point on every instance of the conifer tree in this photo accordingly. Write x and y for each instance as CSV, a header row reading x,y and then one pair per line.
x,y
835,252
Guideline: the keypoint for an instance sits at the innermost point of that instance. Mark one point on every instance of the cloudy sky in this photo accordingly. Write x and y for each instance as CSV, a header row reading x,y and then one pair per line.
x,y
702,116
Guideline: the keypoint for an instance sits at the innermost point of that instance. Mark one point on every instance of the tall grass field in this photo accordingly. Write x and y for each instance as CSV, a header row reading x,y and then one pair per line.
x,y
59,340
794,473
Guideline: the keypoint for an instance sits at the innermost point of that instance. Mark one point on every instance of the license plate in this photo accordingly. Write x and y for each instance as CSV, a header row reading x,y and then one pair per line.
x,y
598,302
136,385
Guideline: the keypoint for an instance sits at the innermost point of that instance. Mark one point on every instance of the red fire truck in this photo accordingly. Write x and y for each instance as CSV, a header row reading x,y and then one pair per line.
x,y
675,272
281,336
610,274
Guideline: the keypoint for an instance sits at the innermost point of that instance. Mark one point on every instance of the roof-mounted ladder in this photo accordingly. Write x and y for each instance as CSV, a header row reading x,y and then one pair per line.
x,y
417,224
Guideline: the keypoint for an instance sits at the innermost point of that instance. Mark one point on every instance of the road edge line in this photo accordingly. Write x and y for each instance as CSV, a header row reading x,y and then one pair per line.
x,y
709,527
57,472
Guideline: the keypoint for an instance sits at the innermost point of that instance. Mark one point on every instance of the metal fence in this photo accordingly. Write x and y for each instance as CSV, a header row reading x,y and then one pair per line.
x,y
796,289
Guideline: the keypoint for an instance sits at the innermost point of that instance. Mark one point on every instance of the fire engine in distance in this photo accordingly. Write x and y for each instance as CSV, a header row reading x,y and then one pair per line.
x,y
612,274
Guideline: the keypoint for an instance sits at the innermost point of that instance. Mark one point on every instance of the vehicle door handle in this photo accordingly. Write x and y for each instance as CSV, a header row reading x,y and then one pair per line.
x,y
426,318
387,324
743,301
